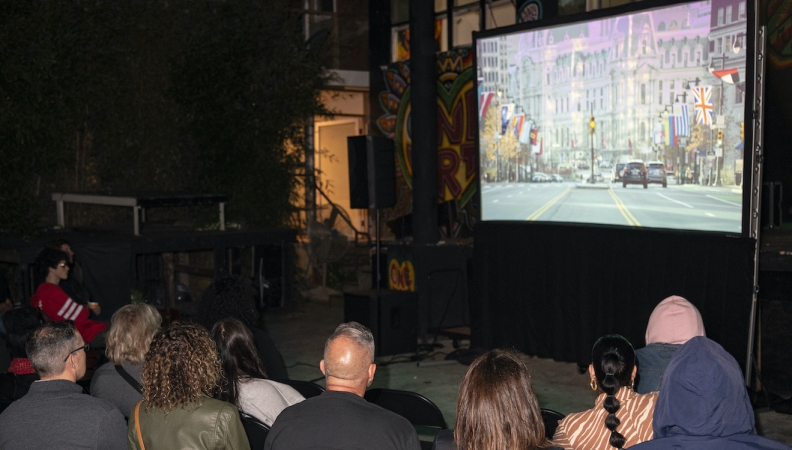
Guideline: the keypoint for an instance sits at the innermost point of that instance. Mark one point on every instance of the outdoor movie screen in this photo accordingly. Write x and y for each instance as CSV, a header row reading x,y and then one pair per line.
x,y
633,119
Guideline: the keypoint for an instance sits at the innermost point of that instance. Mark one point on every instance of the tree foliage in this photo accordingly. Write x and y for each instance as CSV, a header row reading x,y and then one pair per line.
x,y
183,95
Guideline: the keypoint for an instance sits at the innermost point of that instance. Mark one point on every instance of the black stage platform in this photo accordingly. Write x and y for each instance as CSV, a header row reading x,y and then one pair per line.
x,y
113,260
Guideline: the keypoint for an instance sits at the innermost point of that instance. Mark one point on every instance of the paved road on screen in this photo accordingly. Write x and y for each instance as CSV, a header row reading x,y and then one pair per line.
x,y
675,207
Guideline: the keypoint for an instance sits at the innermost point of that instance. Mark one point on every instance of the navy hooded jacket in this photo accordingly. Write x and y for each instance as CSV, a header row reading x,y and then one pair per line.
x,y
703,403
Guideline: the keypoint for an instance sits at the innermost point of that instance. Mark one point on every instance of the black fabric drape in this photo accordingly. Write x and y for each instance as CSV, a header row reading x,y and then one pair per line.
x,y
551,290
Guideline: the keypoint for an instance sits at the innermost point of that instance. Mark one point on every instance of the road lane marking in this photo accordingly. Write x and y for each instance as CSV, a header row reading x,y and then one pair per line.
x,y
547,205
724,201
631,220
675,201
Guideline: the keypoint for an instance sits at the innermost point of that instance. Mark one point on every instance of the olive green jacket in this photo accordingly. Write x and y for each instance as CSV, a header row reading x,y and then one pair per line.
x,y
214,425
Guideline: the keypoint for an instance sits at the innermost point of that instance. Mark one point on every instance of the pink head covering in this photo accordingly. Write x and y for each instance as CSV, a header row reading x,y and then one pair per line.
x,y
674,321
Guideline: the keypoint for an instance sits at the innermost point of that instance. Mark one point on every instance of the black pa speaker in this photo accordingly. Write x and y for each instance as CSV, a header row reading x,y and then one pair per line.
x,y
372,172
392,318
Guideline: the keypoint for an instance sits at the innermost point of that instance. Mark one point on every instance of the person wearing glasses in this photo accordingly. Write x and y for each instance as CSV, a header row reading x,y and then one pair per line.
x,y
55,304
55,412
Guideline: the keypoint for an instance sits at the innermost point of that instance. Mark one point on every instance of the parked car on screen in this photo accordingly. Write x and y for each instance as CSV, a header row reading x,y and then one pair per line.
x,y
539,177
618,171
634,173
557,178
605,165
656,173
597,177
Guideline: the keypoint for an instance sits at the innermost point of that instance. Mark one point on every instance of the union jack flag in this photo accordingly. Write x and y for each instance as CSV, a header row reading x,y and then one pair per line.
x,y
702,102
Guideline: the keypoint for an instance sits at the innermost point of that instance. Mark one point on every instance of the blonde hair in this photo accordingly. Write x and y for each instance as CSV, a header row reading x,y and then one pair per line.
x,y
131,330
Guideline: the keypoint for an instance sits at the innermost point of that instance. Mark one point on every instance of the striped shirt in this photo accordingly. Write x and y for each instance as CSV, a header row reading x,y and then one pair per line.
x,y
57,306
587,431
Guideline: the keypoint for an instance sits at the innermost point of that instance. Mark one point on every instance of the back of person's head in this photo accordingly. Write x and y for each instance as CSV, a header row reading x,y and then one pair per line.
x,y
49,258
49,347
20,325
58,243
349,338
180,366
497,408
131,330
613,360
226,297
702,394
238,356
674,321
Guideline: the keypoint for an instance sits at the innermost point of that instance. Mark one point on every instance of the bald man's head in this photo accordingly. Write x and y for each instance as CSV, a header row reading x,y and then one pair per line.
x,y
349,352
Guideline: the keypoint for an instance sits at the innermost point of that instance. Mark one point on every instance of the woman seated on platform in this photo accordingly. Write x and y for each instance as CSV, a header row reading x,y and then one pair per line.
x,y
180,372
497,407
227,297
620,418
56,305
131,330
246,384
673,322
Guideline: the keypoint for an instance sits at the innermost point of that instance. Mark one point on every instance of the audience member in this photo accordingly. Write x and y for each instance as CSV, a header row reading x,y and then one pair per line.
x,y
340,418
56,304
72,285
131,330
620,417
497,407
14,384
672,323
180,372
703,403
226,298
245,383
55,413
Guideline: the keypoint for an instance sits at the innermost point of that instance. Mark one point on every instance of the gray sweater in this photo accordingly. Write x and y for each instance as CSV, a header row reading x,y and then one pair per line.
x,y
109,385
56,414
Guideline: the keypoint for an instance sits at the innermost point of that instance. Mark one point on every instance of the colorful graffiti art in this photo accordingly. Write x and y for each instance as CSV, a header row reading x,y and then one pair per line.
x,y
778,14
457,107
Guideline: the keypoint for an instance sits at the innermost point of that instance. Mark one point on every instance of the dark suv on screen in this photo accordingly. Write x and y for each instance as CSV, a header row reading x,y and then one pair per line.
x,y
656,173
634,173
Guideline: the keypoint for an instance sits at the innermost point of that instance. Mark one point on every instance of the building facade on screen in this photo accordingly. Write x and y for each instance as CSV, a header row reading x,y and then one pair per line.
x,y
631,73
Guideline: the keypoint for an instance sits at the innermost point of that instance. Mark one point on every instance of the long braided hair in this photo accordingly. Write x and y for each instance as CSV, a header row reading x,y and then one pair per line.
x,y
613,359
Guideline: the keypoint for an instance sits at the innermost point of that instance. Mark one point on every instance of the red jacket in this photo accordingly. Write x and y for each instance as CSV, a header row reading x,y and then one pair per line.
x,y
58,306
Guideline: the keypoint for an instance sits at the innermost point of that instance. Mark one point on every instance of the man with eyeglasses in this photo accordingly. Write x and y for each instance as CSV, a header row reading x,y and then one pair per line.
x,y
56,413
56,304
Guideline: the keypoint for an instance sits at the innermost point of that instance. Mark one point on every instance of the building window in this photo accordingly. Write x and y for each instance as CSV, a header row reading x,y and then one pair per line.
x,y
741,11
643,94
720,16
729,19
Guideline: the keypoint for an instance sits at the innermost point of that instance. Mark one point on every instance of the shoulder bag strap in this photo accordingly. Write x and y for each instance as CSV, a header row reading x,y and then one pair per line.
x,y
137,426
129,379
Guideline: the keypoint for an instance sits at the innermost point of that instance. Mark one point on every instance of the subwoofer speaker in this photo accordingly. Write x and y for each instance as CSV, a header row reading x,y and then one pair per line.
x,y
392,318
372,172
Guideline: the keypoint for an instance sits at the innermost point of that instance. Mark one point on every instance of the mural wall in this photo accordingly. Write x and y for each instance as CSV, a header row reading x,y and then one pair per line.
x,y
456,133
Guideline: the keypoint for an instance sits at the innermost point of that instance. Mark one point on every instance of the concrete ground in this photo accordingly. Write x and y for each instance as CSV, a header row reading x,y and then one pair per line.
x,y
300,336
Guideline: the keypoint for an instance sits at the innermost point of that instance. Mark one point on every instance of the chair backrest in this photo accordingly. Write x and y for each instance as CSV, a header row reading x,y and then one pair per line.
x,y
306,388
550,419
414,407
255,430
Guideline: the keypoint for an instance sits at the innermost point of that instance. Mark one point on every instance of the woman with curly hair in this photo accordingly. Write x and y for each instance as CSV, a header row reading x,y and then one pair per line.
x,y
620,418
180,373
227,297
497,407
246,384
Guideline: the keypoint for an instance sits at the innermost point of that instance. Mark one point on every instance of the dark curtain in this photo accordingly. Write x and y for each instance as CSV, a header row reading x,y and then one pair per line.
x,y
552,290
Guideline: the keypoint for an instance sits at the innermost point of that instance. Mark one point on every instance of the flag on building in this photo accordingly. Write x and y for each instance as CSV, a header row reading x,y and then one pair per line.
x,y
506,115
669,128
519,119
731,76
681,116
702,103
484,103
534,135
525,132
657,133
